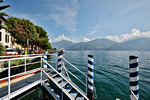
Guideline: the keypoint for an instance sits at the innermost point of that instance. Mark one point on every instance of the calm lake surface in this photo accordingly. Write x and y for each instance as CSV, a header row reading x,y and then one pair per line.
x,y
111,72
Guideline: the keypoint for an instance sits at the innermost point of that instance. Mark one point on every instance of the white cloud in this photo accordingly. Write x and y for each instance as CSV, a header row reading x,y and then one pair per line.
x,y
33,17
62,37
86,39
65,15
113,38
132,6
94,30
135,33
96,27
50,41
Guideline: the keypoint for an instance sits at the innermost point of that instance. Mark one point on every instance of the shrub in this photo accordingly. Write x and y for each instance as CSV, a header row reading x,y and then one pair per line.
x,y
1,49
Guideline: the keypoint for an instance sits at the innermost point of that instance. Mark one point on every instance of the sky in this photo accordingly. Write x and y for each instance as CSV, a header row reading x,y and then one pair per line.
x,y
85,20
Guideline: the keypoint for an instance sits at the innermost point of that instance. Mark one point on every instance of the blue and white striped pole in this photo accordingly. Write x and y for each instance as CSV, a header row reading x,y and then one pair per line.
x,y
59,62
45,59
90,77
134,77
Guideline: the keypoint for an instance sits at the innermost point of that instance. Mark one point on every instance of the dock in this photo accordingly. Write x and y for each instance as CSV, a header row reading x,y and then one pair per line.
x,y
57,85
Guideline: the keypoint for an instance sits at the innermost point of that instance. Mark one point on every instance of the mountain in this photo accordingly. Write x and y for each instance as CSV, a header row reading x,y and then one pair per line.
x,y
105,44
61,44
136,44
97,44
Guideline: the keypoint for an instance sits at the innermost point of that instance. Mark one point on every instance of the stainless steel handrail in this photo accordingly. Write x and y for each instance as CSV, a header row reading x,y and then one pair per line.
x,y
135,98
9,68
79,71
61,76
74,66
75,76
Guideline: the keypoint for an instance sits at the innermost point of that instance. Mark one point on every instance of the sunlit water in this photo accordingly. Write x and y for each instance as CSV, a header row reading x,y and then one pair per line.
x,y
111,72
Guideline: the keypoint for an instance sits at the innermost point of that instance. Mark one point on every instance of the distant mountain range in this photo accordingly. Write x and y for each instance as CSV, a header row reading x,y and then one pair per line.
x,y
97,44
105,44
62,44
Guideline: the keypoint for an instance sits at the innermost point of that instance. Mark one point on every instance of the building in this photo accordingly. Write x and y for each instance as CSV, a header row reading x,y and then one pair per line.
x,y
5,37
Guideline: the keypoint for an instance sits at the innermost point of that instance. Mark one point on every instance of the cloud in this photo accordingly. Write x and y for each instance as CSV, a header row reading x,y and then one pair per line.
x,y
132,6
65,15
96,27
94,30
33,17
50,41
86,39
135,33
61,37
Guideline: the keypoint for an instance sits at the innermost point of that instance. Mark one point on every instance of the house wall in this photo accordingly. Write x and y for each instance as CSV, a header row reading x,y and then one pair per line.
x,y
5,38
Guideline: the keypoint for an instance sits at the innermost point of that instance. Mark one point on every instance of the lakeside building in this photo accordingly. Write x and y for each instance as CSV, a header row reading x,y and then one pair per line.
x,y
5,37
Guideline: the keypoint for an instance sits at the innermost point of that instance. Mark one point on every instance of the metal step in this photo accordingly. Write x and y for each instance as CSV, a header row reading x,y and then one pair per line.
x,y
47,84
79,97
53,75
73,93
58,78
52,89
55,93
63,83
68,88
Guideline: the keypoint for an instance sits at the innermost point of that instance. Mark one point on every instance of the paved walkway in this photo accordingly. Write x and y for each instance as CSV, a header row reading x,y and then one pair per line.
x,y
21,84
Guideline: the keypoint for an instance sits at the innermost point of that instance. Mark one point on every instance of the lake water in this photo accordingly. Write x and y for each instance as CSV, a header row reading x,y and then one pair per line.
x,y
111,72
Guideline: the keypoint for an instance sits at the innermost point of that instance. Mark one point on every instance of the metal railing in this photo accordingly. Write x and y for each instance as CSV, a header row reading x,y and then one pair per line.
x,y
85,84
133,96
40,67
24,71
60,74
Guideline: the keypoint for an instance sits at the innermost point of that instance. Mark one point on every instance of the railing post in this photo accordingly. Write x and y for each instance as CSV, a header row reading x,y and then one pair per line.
x,y
25,64
8,79
134,77
59,62
45,59
56,61
90,77
41,70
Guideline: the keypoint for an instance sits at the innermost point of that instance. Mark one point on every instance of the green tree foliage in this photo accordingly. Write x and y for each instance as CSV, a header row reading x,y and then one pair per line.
x,y
22,29
43,38
1,49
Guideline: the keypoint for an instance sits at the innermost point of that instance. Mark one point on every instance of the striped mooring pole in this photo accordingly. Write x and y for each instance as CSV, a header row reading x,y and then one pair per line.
x,y
45,59
134,77
90,77
59,62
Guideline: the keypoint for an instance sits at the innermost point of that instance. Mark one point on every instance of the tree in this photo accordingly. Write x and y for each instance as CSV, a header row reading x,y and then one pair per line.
x,y
23,29
43,38
3,13
48,46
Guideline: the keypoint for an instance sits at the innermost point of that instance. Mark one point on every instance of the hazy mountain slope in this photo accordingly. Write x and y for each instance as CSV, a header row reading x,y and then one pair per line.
x,y
97,44
136,44
62,44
